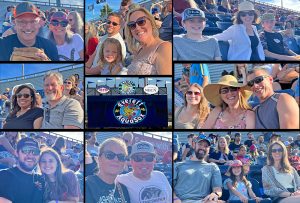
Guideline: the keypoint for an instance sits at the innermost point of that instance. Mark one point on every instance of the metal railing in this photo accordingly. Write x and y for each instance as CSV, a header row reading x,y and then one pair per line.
x,y
47,3
273,5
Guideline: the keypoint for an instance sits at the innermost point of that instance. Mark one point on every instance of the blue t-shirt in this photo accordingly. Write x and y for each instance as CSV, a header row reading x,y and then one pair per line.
x,y
297,89
240,187
8,43
197,72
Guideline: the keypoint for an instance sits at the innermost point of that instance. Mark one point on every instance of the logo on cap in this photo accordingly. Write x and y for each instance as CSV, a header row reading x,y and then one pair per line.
x,y
143,146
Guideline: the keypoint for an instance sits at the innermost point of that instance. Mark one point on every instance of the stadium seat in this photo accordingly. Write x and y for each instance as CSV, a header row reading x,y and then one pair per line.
x,y
224,46
224,18
223,25
293,45
211,17
255,187
208,31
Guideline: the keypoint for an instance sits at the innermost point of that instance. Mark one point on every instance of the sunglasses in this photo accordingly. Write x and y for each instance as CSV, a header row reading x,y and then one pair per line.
x,y
61,23
70,20
140,158
195,93
140,22
257,80
20,95
69,83
111,155
225,90
276,150
27,151
249,13
113,23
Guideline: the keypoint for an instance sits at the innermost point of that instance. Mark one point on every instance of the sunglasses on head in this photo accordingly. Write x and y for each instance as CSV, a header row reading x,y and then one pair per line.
x,y
61,23
225,90
113,23
140,158
256,80
26,150
111,155
20,95
249,13
195,93
277,150
140,22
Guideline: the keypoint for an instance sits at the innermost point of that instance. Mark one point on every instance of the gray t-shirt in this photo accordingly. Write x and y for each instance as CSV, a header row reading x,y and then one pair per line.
x,y
185,49
194,180
66,112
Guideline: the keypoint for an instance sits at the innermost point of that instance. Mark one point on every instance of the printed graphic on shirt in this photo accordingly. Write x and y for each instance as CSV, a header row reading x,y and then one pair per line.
x,y
152,194
109,198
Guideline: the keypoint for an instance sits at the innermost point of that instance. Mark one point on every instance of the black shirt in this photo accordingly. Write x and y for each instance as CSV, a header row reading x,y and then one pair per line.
x,y
248,143
234,147
8,43
275,43
98,191
218,155
254,51
19,187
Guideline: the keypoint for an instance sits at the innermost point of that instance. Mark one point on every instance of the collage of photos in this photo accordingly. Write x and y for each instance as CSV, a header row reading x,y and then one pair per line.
x,y
149,101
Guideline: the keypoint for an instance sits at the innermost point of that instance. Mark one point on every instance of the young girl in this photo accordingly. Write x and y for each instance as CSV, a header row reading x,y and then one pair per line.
x,y
239,187
110,59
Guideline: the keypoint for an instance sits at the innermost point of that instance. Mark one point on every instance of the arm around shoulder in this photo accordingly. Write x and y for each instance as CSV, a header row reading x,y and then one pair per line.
x,y
212,117
288,112
163,60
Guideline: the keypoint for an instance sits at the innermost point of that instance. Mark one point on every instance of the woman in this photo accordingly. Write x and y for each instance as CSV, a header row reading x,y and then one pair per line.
x,y
91,40
76,22
70,90
61,185
244,42
69,45
151,55
101,187
8,144
240,72
25,113
231,108
222,155
195,110
280,180
224,7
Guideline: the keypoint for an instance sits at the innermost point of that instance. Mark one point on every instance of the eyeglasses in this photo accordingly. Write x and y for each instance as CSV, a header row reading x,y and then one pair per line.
x,y
20,95
140,22
249,13
195,93
113,23
69,83
277,150
225,90
61,23
256,80
26,150
24,22
111,155
47,115
140,158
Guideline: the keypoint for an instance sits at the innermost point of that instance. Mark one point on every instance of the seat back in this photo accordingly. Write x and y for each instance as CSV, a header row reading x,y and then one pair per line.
x,y
224,47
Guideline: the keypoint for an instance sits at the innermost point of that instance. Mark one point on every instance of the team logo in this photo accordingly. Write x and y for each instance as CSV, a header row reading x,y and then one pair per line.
x,y
153,193
127,87
102,89
130,111
151,89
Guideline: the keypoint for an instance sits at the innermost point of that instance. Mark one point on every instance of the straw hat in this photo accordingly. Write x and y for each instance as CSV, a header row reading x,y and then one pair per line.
x,y
211,91
246,6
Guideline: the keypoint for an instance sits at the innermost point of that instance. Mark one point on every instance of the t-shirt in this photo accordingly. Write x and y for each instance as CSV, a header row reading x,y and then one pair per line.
x,y
197,72
8,43
165,31
248,143
194,180
184,48
19,187
70,51
234,147
220,156
157,189
97,191
24,121
240,187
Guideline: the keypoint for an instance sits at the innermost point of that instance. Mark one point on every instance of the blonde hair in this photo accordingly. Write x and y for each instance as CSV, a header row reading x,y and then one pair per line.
x,y
116,141
78,24
226,4
226,150
92,32
132,43
192,3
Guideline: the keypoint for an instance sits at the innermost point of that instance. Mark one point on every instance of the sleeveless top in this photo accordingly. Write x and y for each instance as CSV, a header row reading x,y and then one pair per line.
x,y
144,66
221,125
105,70
187,125
269,120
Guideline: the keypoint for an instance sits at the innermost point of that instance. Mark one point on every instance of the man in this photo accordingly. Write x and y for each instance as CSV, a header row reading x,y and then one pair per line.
x,y
166,31
235,146
113,31
188,148
27,27
260,144
91,144
19,184
250,140
195,180
276,110
199,73
272,41
60,112
143,183
128,137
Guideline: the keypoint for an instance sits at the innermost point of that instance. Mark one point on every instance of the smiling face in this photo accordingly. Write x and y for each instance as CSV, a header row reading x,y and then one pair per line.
x,y
142,169
58,30
144,31
110,52
247,17
193,96
53,90
268,25
23,102
27,161
231,97
48,164
201,149
277,156
194,25
237,170
113,29
71,20
27,27
67,84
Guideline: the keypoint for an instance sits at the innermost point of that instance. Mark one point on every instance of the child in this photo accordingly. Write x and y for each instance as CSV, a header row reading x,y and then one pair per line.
x,y
110,59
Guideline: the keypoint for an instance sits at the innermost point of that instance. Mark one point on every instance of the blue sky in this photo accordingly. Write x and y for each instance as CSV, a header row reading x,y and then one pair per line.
x,y
114,4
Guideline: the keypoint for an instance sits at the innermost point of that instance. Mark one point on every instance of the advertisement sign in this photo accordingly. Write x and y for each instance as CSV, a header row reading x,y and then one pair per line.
x,y
127,87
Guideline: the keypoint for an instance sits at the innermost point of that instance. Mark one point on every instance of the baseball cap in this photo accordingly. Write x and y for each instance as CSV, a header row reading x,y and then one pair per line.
x,y
142,147
59,15
203,137
268,16
192,13
28,142
25,8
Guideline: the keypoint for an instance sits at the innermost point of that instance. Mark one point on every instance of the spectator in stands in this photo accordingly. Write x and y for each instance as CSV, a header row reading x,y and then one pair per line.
x,y
76,22
27,27
70,90
60,111
273,43
240,72
186,46
287,76
151,55
80,175
242,153
91,40
280,180
143,177
253,152
102,187
225,7
260,144
283,111
20,184
180,5
188,148
25,114
231,108
250,139
203,184
165,31
235,146
195,110
8,143
244,42
199,74
274,138
69,45
90,166
128,138
91,144
184,83
60,184
211,6
222,154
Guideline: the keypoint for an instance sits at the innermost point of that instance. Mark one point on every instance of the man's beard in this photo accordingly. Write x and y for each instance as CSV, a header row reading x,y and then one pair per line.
x,y
25,167
200,155
50,96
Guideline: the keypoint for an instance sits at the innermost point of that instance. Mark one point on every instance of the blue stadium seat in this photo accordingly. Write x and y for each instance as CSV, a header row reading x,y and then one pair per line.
x,y
224,46
224,18
224,25
211,17
255,187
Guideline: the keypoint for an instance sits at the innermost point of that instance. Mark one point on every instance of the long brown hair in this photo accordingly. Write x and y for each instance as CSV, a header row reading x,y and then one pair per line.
x,y
242,177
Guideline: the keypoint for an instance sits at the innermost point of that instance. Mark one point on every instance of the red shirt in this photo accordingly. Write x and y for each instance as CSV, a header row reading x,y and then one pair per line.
x,y
91,47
